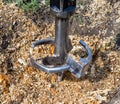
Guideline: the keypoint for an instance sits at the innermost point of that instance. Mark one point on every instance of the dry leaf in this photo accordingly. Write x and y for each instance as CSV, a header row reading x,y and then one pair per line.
x,y
4,81
52,48
53,91
4,77
1,78
29,70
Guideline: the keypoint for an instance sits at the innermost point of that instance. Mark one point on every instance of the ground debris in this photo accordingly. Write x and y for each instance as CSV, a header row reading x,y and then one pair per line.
x,y
22,84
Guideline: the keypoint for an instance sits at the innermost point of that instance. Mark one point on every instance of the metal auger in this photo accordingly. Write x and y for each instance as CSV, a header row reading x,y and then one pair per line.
x,y
61,61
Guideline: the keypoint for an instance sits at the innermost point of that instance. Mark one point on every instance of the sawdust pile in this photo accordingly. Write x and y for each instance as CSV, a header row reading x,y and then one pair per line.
x,y
22,84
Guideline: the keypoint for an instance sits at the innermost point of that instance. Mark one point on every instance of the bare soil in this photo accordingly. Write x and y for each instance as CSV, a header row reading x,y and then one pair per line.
x,y
96,22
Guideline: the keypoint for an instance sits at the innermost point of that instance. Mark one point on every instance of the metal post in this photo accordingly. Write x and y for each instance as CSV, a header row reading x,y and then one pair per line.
x,y
61,38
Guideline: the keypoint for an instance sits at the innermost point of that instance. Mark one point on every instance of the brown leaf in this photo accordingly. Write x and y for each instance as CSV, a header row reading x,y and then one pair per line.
x,y
1,78
52,48
53,91
29,70
4,81
4,85
4,77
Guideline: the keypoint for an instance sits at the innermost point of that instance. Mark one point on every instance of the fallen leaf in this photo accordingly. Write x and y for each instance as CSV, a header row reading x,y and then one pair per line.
x,y
4,81
52,48
29,70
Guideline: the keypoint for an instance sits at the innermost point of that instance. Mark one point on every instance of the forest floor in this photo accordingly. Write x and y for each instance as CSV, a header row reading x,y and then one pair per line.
x,y
96,22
